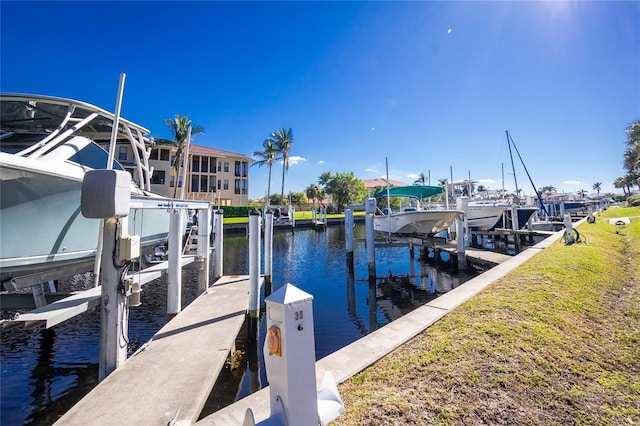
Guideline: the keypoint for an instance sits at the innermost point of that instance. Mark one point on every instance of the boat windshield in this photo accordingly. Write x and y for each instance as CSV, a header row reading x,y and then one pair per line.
x,y
94,156
91,155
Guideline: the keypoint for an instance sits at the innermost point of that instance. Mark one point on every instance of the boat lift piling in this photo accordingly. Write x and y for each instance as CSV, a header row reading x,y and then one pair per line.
x,y
218,232
348,225
174,289
202,250
268,252
254,273
370,210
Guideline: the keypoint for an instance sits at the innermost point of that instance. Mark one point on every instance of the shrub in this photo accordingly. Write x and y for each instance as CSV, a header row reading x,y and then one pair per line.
x,y
633,201
236,211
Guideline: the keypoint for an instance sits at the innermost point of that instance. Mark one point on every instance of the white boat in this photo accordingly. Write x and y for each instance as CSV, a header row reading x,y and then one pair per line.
x,y
47,144
412,217
484,217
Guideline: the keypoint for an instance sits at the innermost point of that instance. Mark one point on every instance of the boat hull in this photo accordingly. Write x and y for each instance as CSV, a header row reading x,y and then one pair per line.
x,y
42,226
484,218
422,222
524,214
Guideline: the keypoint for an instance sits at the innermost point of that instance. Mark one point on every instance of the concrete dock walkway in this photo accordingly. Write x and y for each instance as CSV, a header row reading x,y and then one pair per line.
x,y
171,378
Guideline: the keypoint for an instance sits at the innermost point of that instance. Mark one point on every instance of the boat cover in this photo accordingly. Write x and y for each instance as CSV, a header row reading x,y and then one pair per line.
x,y
415,191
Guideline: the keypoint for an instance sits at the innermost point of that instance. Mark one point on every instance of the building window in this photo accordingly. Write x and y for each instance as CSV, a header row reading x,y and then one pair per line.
x,y
204,182
153,155
171,181
236,169
158,177
122,153
226,185
212,165
226,167
236,186
245,169
164,155
172,159
245,186
219,184
204,164
195,184
195,163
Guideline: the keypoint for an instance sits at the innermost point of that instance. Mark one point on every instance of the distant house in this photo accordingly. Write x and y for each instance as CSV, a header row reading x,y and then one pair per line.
x,y
373,184
221,177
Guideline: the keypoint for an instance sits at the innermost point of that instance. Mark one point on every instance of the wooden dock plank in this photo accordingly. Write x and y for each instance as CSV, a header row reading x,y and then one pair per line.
x,y
173,376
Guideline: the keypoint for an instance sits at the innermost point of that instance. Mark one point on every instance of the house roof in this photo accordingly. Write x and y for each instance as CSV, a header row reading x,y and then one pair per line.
x,y
381,182
214,152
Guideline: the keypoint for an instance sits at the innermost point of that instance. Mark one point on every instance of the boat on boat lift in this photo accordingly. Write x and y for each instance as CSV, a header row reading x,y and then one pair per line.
x,y
412,218
47,144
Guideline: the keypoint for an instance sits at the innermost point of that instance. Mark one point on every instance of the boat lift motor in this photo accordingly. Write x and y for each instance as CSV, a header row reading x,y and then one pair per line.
x,y
105,194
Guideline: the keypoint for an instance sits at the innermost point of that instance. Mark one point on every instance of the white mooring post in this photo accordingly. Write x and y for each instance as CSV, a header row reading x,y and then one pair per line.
x,y
114,314
370,210
217,263
462,254
268,248
174,274
289,352
515,223
348,228
254,272
203,248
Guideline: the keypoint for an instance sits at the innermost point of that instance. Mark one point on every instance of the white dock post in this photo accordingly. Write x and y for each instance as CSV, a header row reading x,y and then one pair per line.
x,y
348,229
289,353
203,248
462,203
515,223
254,272
462,254
174,275
114,314
217,262
268,250
292,217
371,247
370,206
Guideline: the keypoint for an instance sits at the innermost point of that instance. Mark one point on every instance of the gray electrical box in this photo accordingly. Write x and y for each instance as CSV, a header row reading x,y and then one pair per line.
x,y
105,194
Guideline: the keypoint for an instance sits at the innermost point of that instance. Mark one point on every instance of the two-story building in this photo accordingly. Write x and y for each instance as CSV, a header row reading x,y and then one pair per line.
x,y
221,177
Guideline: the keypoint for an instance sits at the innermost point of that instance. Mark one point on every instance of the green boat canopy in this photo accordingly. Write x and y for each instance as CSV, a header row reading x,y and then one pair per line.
x,y
415,191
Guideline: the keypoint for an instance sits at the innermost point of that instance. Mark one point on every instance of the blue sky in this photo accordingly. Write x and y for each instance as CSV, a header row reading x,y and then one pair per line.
x,y
432,86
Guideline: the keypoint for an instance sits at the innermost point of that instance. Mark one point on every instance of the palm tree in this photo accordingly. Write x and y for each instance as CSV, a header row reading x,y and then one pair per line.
x,y
313,193
596,187
283,139
422,180
180,126
549,189
267,155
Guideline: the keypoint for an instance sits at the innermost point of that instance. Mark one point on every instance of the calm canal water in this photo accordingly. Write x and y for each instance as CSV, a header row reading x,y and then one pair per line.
x,y
45,372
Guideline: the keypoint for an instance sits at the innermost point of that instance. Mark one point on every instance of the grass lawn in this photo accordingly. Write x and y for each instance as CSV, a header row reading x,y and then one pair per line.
x,y
555,342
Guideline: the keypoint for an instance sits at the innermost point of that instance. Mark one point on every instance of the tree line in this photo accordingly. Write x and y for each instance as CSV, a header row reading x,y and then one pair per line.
x,y
344,188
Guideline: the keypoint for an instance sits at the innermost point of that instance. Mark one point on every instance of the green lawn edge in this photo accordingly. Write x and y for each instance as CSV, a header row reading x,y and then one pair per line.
x,y
554,342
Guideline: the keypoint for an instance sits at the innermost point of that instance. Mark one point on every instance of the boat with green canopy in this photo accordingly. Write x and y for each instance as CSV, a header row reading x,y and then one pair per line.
x,y
412,217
